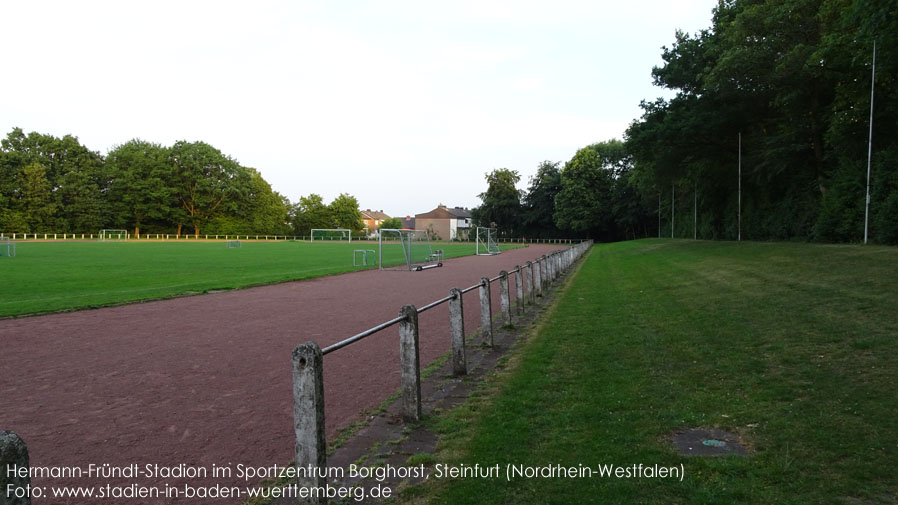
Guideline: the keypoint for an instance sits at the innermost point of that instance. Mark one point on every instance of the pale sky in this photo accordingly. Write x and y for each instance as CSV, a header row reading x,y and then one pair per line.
x,y
403,105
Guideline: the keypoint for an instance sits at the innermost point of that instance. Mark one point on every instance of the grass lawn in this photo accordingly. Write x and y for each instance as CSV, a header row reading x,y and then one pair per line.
x,y
791,346
48,276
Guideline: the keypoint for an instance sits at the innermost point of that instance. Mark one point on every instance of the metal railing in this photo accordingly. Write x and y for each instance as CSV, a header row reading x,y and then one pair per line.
x,y
308,379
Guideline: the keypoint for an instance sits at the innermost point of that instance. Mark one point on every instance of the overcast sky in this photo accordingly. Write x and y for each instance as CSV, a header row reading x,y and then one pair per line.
x,y
403,105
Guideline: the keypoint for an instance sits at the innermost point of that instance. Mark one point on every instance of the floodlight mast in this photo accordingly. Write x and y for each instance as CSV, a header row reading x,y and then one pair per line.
x,y
870,148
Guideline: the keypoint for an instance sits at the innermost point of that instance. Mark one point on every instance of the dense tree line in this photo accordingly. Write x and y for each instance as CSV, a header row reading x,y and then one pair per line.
x,y
780,88
792,79
593,195
57,185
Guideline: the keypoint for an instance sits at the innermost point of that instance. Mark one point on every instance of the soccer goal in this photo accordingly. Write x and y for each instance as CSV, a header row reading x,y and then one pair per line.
x,y
113,235
487,244
233,244
7,247
405,250
336,234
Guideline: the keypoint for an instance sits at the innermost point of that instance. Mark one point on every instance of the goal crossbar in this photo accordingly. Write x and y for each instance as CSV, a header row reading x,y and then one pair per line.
x,y
330,233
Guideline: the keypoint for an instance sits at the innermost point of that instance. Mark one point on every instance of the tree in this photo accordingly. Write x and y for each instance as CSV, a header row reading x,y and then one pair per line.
x,y
501,202
539,201
584,203
209,184
266,210
142,182
393,223
75,175
345,212
36,204
310,213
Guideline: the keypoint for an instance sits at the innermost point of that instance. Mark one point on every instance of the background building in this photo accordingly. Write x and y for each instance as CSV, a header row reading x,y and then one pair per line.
x,y
445,223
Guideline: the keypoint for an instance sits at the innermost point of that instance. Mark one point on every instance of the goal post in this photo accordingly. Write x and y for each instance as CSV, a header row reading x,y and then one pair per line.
x,y
487,243
7,247
402,249
331,234
105,235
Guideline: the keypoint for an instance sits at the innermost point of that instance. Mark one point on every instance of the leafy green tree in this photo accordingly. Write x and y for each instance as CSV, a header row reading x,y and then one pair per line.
x,y
143,185
266,210
501,202
344,211
75,174
36,203
208,183
393,223
311,212
584,203
539,201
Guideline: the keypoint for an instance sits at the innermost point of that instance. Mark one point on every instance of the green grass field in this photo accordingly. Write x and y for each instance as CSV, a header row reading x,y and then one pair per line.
x,y
792,346
50,276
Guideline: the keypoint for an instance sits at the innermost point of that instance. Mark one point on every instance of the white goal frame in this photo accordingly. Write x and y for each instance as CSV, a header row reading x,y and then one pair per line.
x,y
105,235
346,231
487,244
416,260
9,245
233,244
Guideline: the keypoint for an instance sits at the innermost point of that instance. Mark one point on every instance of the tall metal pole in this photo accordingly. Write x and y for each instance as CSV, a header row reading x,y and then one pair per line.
x,y
659,214
671,210
740,187
695,212
870,148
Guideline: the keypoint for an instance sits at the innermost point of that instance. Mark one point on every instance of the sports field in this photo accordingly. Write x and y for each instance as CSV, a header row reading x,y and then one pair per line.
x,y
789,346
52,276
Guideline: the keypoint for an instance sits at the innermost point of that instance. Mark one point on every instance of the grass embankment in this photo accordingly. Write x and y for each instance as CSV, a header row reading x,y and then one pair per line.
x,y
792,346
49,276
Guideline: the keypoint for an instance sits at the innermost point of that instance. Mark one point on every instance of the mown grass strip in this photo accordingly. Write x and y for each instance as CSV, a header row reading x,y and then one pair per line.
x,y
789,345
52,276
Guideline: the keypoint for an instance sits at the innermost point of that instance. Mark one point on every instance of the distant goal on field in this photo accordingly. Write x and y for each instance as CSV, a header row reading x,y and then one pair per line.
x,y
487,243
401,249
7,247
106,235
331,234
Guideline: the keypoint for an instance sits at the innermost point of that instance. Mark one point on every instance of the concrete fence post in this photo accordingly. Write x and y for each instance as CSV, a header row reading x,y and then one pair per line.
x,y
544,273
486,314
531,296
410,364
457,332
519,288
308,419
504,298
537,278
13,455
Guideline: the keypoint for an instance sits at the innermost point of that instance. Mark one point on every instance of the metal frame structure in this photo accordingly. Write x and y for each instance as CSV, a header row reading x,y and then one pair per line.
x,y
9,245
413,261
233,244
105,235
490,247
364,254
347,230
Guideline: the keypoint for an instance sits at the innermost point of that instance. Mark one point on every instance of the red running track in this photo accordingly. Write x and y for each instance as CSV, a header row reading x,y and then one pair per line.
x,y
206,380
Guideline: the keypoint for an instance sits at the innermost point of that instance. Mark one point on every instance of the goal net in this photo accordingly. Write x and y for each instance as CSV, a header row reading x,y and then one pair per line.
x,y
113,235
405,250
331,234
487,244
